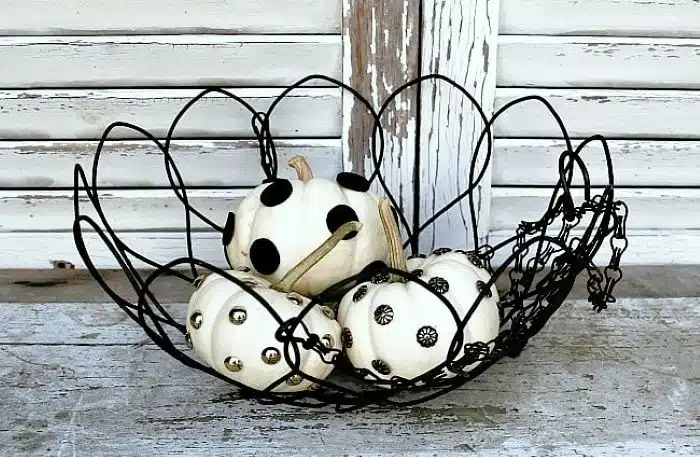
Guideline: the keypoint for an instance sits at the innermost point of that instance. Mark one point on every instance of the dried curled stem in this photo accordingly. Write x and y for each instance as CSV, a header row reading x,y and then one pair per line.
x,y
304,172
300,269
397,257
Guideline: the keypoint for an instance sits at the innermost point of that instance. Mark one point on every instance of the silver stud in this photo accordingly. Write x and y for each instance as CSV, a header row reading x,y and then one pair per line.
x,y
328,312
294,380
237,316
233,364
188,341
271,356
328,341
196,320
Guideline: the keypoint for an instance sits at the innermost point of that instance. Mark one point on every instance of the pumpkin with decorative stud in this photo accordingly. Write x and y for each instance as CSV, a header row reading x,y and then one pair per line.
x,y
280,222
236,334
397,328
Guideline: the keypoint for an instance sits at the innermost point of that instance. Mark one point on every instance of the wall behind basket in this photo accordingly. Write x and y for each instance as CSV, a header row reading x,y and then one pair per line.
x,y
67,73
627,69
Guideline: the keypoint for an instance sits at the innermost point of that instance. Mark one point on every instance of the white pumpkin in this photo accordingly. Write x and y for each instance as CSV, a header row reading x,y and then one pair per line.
x,y
234,333
400,329
279,223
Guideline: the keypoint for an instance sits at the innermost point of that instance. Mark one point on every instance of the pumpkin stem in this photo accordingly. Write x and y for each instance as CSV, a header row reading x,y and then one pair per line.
x,y
302,167
300,269
397,257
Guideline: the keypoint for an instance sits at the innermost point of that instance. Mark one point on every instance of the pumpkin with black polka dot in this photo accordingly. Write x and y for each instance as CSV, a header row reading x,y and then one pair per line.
x,y
280,222
237,335
402,329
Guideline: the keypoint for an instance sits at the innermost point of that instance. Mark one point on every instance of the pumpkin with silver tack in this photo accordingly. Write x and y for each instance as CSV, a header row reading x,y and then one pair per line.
x,y
397,329
236,335
280,222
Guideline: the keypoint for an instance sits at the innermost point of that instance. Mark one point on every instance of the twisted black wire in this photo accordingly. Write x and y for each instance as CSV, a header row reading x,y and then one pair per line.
x,y
568,256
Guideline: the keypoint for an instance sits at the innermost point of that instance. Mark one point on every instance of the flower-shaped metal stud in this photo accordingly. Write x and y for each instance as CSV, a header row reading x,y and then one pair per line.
x,y
380,277
346,338
481,286
427,336
381,367
439,285
383,314
359,293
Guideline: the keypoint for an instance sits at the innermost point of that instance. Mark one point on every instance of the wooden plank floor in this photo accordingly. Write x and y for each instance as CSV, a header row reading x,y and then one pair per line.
x,y
79,378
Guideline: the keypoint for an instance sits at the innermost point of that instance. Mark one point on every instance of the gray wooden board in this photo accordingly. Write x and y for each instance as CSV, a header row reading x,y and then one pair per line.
x,y
624,382
103,17
635,163
553,61
77,286
141,163
85,114
170,60
662,18
40,249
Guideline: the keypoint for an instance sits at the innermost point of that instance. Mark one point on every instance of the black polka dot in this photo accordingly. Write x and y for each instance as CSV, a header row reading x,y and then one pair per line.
x,y
352,181
338,216
264,256
441,251
373,268
276,193
380,277
229,229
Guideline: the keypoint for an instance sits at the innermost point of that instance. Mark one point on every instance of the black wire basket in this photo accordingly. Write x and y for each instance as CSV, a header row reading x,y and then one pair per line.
x,y
321,362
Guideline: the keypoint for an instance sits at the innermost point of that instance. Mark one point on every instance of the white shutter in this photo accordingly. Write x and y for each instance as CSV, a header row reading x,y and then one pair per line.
x,y
629,70
384,49
68,72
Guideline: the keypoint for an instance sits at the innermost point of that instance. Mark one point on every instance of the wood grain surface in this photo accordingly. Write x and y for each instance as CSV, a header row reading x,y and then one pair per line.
x,y
49,164
613,113
102,17
84,114
604,62
83,380
65,285
166,60
662,18
637,163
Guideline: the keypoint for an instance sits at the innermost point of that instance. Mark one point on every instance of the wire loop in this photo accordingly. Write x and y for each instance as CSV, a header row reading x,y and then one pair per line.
x,y
539,263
